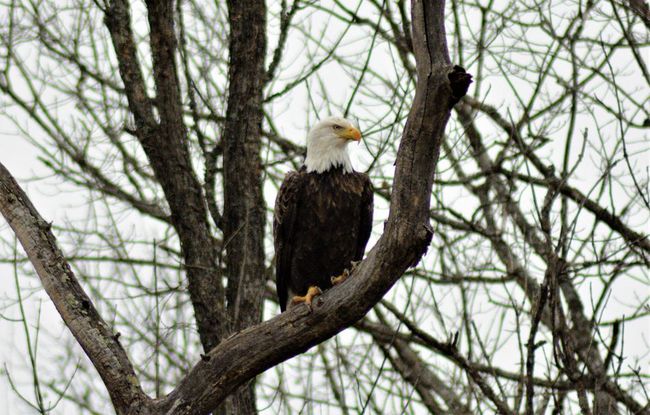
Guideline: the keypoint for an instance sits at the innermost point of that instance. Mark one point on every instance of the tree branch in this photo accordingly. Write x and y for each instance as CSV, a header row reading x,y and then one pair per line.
x,y
602,214
405,240
73,304
166,146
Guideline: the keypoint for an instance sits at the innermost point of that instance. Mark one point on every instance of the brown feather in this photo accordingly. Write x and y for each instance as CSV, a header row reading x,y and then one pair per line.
x,y
322,222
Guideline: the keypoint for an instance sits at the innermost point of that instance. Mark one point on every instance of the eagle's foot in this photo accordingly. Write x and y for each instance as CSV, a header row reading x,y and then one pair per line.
x,y
340,278
345,274
312,292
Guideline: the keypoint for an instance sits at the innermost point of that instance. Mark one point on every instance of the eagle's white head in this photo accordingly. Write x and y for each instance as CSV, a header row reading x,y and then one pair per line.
x,y
327,144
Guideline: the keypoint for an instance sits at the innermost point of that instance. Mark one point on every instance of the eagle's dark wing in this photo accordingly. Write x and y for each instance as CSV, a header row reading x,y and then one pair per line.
x,y
366,218
284,220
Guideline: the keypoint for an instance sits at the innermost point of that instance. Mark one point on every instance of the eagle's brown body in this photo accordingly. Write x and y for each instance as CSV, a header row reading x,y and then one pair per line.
x,y
322,223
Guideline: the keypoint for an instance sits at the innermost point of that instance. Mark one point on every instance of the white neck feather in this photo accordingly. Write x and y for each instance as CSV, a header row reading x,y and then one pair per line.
x,y
323,155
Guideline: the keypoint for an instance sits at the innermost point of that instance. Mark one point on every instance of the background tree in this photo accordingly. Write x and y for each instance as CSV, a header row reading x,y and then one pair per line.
x,y
168,127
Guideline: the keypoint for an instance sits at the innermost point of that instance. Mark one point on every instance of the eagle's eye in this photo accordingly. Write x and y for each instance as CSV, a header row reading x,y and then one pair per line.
x,y
337,127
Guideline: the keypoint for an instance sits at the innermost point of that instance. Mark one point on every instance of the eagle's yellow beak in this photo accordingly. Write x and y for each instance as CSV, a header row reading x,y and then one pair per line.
x,y
351,133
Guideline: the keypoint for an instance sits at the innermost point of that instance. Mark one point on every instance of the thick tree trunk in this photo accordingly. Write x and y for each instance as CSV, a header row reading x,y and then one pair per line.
x,y
225,372
166,146
406,237
244,212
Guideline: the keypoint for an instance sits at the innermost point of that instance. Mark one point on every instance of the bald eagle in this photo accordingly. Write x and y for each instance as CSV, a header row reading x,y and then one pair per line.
x,y
323,215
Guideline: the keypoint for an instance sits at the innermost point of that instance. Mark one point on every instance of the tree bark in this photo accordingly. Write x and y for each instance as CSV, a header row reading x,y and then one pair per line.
x,y
244,209
406,238
239,358
165,143
95,336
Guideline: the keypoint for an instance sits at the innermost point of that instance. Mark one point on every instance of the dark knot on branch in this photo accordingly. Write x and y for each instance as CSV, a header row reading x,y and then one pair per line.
x,y
459,81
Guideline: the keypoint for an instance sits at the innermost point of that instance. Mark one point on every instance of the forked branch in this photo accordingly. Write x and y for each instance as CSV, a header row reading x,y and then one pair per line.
x,y
251,351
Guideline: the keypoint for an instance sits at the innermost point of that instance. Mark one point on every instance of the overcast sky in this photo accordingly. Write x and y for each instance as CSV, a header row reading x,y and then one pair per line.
x,y
60,203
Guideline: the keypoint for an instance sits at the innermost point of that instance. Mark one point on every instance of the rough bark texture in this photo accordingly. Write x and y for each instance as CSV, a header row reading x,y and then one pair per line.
x,y
244,211
239,358
166,146
406,237
97,339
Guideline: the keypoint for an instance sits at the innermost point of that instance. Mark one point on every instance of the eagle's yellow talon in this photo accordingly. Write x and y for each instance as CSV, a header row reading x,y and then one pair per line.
x,y
324,197
345,274
312,292
340,278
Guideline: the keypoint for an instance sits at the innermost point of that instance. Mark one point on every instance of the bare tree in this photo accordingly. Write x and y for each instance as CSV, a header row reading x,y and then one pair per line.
x,y
179,120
